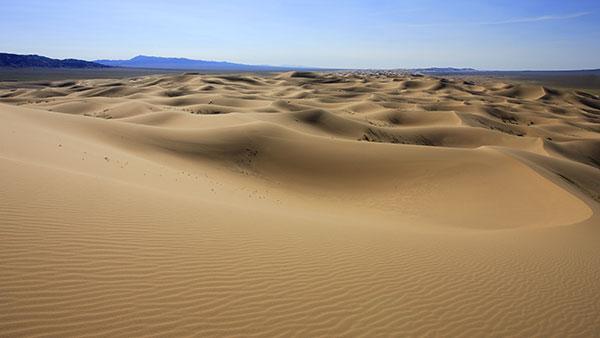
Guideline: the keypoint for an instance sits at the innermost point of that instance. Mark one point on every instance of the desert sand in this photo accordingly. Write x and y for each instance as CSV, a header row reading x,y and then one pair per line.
x,y
298,204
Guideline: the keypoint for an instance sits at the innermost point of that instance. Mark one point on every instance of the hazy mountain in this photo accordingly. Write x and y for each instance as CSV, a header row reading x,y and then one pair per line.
x,y
444,70
26,61
143,61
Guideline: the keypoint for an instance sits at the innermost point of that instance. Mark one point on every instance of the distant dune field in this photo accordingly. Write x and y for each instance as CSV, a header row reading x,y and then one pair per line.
x,y
298,204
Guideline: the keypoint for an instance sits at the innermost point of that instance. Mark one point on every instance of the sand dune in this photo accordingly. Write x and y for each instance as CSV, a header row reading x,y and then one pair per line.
x,y
298,204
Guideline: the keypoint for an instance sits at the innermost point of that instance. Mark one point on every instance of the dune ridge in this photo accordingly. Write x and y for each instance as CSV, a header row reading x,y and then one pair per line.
x,y
298,204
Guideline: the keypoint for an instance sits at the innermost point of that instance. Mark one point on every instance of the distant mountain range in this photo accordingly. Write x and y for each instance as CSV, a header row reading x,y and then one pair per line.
x,y
143,61
156,62
140,61
168,63
28,61
443,70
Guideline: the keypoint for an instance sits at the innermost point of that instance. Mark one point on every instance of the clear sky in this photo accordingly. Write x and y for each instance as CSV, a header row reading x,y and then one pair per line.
x,y
509,34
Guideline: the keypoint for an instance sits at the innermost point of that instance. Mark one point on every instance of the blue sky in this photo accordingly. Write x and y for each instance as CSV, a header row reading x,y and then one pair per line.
x,y
523,34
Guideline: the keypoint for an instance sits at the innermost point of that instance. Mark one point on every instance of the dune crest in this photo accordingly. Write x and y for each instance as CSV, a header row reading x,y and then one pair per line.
x,y
314,204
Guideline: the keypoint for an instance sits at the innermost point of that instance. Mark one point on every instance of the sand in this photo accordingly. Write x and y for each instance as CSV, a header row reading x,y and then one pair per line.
x,y
298,204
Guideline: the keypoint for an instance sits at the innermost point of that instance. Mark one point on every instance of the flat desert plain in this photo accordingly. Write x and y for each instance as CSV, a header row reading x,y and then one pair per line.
x,y
298,204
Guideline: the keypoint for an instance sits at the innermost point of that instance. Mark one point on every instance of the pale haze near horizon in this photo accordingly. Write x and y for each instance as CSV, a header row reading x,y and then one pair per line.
x,y
496,35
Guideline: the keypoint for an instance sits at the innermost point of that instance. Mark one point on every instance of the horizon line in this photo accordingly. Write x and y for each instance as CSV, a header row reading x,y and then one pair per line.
x,y
466,68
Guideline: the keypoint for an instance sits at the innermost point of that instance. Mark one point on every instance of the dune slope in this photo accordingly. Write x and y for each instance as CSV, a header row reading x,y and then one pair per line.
x,y
298,204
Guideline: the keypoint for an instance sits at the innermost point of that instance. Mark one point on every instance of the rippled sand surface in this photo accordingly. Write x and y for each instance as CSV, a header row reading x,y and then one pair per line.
x,y
298,204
